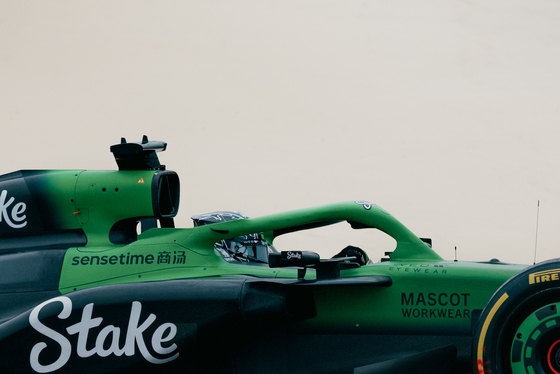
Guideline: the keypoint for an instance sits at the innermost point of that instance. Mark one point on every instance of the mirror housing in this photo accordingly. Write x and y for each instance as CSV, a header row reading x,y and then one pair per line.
x,y
293,258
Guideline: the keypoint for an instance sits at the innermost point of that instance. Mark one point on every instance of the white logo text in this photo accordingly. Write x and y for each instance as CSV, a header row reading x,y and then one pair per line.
x,y
107,340
16,214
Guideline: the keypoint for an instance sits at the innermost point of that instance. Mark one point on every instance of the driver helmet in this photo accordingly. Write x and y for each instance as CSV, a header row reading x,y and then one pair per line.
x,y
244,248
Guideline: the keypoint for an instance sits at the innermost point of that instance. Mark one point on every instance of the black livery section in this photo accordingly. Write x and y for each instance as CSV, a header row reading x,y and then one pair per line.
x,y
28,216
28,278
124,327
33,242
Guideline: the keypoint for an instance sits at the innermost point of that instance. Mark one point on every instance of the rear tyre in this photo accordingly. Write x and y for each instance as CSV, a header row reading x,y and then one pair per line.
x,y
519,330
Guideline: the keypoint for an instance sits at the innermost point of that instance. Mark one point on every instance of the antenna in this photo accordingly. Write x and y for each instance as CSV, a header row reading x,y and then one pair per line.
x,y
537,233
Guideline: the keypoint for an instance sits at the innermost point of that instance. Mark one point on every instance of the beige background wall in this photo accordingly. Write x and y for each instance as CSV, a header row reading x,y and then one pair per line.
x,y
445,113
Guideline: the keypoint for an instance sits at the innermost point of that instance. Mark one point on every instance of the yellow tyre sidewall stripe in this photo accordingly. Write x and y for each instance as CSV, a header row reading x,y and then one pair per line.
x,y
480,348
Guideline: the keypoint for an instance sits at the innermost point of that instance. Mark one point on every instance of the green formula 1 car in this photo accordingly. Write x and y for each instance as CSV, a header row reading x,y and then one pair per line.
x,y
95,278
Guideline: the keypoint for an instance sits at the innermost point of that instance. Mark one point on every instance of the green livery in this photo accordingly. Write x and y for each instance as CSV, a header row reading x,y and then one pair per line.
x,y
95,277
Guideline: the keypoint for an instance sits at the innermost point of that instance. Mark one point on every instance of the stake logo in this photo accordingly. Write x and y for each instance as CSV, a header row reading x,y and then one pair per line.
x,y
107,340
13,215
290,255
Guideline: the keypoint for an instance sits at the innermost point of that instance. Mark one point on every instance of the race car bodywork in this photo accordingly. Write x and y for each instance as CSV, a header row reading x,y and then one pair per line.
x,y
95,278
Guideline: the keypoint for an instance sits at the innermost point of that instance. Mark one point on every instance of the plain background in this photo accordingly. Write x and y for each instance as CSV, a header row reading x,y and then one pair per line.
x,y
445,113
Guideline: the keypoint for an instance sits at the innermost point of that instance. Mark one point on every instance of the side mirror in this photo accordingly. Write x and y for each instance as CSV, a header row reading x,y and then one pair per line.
x,y
293,258
325,269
